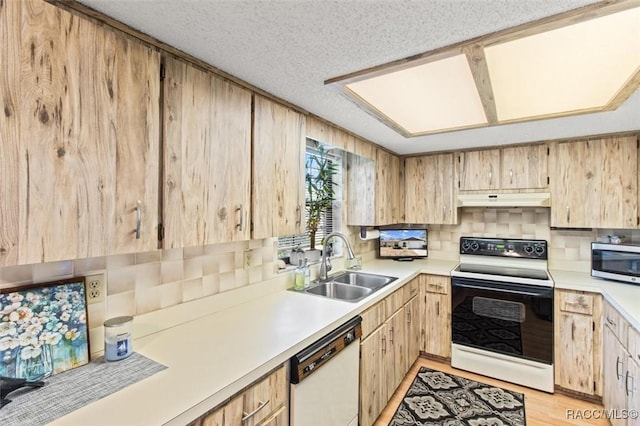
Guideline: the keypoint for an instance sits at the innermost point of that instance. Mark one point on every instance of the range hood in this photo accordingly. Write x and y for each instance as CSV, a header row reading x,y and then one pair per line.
x,y
533,199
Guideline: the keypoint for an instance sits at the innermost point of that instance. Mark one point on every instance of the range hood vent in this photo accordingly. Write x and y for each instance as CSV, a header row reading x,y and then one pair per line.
x,y
537,199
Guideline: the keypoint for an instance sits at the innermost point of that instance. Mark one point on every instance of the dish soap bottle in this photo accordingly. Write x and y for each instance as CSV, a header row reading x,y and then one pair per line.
x,y
307,273
299,277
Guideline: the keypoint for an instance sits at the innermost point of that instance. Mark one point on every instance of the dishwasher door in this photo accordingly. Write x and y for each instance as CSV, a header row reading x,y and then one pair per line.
x,y
329,397
325,379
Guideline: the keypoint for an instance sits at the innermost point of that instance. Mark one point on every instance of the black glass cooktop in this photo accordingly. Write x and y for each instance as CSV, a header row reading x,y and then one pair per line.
x,y
536,274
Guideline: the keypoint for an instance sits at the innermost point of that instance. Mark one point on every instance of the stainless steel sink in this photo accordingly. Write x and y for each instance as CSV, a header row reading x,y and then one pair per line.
x,y
340,291
350,286
362,279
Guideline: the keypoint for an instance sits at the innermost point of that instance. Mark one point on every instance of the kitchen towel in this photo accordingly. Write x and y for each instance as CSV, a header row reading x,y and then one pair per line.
x,y
73,389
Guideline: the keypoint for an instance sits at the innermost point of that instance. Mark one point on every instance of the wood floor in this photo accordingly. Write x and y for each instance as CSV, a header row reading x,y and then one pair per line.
x,y
542,409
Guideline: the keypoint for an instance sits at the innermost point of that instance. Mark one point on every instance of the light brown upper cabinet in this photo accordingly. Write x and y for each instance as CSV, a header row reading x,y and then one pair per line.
x,y
79,137
278,170
207,158
594,183
389,189
430,190
512,168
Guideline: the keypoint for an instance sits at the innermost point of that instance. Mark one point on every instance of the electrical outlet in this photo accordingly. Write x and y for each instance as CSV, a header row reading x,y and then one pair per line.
x,y
247,259
95,288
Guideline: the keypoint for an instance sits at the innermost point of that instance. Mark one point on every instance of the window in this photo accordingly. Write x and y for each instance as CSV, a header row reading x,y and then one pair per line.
x,y
330,219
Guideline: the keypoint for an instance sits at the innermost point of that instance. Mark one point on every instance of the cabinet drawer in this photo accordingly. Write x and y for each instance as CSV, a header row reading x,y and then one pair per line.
x,y
634,345
372,318
394,302
616,323
410,289
436,284
575,301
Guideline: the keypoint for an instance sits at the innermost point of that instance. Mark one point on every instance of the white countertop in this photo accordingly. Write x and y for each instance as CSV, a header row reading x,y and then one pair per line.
x,y
624,297
214,356
211,358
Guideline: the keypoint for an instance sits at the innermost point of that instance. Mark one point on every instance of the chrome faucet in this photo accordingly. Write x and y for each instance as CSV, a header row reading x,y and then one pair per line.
x,y
325,264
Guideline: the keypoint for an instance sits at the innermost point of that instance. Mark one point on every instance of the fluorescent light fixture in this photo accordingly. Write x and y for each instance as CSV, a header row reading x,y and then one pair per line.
x,y
425,98
582,61
576,68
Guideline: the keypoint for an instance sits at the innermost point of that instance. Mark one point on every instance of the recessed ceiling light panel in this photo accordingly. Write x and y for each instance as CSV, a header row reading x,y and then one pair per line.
x,y
425,98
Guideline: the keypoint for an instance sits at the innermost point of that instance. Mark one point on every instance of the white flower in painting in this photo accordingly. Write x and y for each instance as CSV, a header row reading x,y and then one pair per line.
x,y
62,329
7,328
30,352
33,298
82,317
21,315
50,338
61,296
27,339
72,334
34,329
15,297
6,342
65,316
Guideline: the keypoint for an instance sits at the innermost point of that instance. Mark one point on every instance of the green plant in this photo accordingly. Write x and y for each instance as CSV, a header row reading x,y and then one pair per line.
x,y
320,171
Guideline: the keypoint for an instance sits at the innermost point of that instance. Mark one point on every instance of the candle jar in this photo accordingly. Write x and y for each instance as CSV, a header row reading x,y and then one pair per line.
x,y
117,338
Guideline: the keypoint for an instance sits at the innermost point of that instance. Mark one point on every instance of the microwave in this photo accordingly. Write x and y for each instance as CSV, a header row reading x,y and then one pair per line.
x,y
618,262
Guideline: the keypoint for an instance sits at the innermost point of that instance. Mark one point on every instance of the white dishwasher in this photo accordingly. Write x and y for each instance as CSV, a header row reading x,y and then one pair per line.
x,y
325,379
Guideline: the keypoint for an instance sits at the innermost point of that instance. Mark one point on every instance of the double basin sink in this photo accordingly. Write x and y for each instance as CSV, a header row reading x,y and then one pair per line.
x,y
350,286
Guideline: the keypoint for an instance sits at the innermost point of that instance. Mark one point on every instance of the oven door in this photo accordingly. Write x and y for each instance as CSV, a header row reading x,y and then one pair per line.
x,y
507,318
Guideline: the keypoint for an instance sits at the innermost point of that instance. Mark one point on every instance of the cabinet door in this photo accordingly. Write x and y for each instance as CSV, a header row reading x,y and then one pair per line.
x,y
524,167
388,189
207,158
574,352
80,138
594,183
480,170
361,186
413,328
437,325
278,170
430,195
632,389
615,366
373,396
265,397
397,351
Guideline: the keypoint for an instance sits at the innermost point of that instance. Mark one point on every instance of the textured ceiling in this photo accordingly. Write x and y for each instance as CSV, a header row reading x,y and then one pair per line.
x,y
289,48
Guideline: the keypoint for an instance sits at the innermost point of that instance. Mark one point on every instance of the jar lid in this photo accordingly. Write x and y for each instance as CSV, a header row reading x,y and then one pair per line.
x,y
115,322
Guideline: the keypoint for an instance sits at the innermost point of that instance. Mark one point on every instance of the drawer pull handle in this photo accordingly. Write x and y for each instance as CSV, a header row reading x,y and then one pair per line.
x,y
247,416
628,390
138,218
618,362
240,225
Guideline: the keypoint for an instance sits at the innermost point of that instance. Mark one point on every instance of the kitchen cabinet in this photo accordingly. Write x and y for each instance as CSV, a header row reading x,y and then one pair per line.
x,y
620,367
388,196
207,158
436,329
79,137
278,199
361,187
578,341
430,192
386,352
263,403
479,170
523,167
594,183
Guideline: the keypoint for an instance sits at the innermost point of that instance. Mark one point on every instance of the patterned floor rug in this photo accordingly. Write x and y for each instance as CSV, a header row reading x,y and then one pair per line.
x,y
437,398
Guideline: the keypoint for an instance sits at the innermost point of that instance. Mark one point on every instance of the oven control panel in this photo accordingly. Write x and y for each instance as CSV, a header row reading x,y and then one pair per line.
x,y
527,249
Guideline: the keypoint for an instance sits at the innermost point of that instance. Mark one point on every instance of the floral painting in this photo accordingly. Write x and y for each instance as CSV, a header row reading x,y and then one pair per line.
x,y
43,330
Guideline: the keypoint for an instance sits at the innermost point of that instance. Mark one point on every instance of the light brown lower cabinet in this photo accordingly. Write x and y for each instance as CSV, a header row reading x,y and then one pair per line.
x,y
388,348
621,366
263,403
436,329
578,341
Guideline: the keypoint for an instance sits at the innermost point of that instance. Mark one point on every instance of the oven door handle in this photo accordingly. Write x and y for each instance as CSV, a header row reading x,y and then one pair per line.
x,y
545,292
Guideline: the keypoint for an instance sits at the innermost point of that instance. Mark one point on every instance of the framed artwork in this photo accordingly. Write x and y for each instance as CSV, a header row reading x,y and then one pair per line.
x,y
43,329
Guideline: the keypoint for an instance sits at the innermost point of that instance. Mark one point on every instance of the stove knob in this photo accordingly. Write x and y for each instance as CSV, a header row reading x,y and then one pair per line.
x,y
465,245
474,246
528,249
539,250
